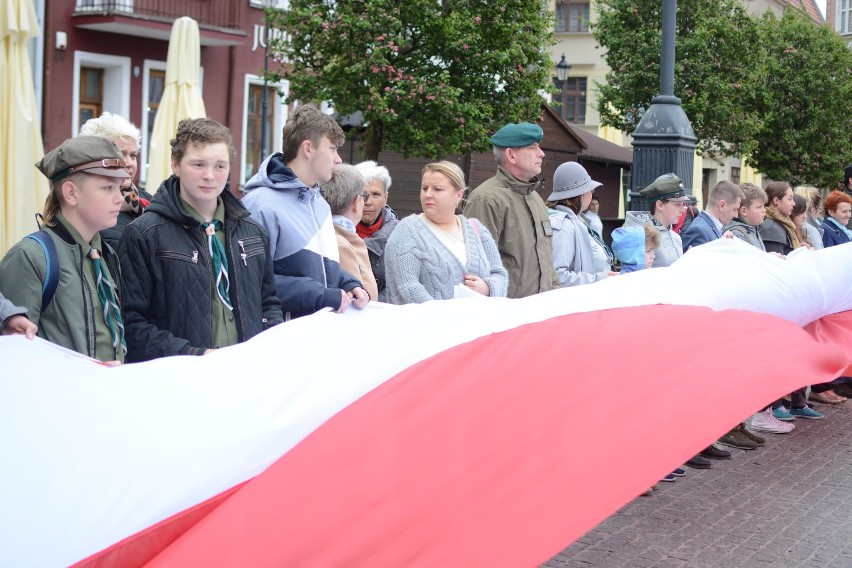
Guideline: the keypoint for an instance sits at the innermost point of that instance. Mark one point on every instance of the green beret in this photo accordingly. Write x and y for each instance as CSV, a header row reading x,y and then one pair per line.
x,y
517,135
667,187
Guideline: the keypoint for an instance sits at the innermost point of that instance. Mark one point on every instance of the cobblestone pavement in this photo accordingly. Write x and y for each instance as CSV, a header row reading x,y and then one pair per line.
x,y
788,503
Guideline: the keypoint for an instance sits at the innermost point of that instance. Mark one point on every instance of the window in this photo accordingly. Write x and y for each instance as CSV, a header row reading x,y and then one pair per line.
x,y
572,16
101,84
844,16
154,94
570,103
91,93
735,175
254,147
104,5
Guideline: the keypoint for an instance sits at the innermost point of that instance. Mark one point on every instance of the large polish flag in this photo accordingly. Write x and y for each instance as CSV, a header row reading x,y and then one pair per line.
x,y
458,433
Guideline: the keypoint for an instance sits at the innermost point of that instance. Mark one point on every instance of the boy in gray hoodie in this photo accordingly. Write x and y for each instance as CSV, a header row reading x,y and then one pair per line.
x,y
285,197
749,216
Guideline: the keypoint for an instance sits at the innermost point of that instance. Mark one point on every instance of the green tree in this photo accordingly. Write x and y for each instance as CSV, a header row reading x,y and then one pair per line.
x,y
430,78
718,61
805,103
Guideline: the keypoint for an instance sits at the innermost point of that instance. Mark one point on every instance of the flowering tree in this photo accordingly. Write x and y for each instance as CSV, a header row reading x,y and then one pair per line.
x,y
429,77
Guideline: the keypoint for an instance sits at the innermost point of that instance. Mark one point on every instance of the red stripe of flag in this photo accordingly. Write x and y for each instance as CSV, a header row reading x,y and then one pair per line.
x,y
502,451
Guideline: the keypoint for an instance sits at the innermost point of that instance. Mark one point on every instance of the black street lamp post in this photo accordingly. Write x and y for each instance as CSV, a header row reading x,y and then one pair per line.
x,y
562,69
264,109
663,141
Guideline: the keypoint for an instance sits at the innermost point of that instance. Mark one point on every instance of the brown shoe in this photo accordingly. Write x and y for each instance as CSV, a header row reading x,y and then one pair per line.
x,y
736,439
827,397
843,389
759,440
833,394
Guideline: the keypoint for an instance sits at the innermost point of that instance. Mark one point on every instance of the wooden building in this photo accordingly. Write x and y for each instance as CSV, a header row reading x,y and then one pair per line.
x,y
562,143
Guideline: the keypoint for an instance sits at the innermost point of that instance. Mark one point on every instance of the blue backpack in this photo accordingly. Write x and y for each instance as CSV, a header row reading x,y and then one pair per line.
x,y
51,281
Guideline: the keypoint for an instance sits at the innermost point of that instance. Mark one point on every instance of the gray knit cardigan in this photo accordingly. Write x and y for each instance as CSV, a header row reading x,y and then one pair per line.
x,y
419,267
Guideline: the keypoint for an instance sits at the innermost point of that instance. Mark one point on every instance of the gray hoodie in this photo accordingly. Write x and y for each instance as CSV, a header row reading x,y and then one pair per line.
x,y
746,232
671,246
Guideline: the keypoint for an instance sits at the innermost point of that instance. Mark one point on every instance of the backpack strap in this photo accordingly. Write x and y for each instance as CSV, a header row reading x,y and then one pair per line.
x,y
51,281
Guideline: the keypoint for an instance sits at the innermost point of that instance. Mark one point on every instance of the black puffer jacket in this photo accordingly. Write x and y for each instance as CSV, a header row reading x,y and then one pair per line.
x,y
168,284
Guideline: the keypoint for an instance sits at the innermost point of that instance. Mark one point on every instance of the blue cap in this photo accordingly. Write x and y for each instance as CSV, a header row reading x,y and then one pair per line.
x,y
628,244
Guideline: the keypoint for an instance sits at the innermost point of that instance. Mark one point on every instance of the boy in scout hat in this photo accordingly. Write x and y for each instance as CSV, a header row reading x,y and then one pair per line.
x,y
512,210
64,275
666,200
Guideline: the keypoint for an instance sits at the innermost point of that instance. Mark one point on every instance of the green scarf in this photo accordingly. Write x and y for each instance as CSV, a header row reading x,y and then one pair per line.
x,y
220,261
112,313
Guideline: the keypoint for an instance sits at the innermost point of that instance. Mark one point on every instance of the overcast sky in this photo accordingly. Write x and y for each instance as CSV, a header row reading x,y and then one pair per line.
x,y
821,4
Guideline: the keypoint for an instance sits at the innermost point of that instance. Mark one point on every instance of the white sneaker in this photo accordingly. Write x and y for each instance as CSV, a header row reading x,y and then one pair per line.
x,y
765,421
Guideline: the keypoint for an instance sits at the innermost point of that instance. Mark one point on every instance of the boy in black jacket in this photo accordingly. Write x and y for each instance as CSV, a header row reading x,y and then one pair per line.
x,y
196,269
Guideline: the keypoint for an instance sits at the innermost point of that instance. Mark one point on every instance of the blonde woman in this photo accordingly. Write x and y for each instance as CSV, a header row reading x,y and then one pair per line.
x,y
428,254
813,201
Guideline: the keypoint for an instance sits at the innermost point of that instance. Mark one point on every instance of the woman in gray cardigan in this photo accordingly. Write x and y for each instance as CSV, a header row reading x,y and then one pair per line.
x,y
428,254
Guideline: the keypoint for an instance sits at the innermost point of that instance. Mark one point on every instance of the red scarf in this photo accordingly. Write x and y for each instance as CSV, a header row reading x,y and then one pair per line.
x,y
365,232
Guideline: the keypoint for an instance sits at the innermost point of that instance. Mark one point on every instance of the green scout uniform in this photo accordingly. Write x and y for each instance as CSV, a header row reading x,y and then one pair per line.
x,y
224,327
74,319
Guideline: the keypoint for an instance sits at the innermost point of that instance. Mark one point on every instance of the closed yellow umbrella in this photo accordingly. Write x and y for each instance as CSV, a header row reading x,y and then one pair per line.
x,y
181,98
23,189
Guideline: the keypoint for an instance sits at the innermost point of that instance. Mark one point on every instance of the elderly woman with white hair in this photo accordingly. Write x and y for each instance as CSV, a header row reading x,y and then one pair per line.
x,y
378,220
128,138
345,195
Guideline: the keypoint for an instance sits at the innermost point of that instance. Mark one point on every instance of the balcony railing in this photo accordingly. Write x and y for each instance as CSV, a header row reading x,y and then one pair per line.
x,y
208,13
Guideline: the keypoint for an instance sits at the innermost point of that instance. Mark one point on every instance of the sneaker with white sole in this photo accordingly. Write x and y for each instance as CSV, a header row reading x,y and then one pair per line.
x,y
765,422
807,412
782,413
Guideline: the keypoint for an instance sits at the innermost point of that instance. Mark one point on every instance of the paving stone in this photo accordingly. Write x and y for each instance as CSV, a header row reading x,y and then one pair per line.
x,y
786,504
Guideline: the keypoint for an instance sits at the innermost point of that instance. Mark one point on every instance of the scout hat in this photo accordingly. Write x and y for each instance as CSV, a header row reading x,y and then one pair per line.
x,y
517,135
666,187
571,180
90,154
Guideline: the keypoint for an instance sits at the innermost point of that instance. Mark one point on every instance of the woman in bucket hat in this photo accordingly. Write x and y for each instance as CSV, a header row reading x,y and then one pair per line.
x,y
575,258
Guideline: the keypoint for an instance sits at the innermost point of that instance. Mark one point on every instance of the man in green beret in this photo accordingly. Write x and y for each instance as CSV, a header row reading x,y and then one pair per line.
x,y
512,210
83,313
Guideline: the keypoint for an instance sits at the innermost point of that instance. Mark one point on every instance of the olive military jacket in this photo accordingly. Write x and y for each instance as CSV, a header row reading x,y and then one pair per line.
x,y
516,216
